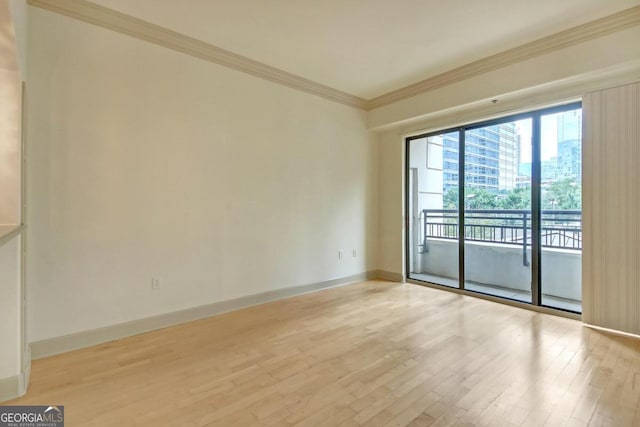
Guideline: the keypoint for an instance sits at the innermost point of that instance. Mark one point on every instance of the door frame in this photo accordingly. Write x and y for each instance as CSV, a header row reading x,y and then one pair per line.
x,y
536,194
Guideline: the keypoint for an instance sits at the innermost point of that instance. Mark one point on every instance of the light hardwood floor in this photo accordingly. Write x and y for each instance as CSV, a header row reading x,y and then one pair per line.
x,y
373,353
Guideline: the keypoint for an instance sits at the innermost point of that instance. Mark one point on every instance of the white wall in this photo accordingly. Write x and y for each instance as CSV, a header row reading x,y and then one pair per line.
x,y
10,326
144,162
391,202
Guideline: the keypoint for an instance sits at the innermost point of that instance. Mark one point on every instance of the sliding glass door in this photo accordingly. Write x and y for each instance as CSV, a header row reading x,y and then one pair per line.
x,y
433,205
561,204
495,207
497,210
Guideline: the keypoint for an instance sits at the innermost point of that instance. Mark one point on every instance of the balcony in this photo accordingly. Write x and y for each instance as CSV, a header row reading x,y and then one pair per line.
x,y
498,253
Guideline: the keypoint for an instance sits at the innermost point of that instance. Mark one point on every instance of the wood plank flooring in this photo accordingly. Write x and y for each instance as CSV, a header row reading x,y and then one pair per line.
x,y
373,354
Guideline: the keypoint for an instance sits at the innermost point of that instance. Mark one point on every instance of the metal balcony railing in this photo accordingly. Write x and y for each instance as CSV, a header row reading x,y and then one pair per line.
x,y
560,229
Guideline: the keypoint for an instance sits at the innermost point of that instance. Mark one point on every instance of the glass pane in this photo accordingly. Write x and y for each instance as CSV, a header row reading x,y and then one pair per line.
x,y
561,217
433,209
497,206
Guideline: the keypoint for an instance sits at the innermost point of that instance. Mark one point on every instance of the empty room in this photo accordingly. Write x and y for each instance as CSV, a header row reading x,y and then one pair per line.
x,y
331,213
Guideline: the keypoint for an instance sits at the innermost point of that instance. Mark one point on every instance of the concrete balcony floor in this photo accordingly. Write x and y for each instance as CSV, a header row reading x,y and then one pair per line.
x,y
500,291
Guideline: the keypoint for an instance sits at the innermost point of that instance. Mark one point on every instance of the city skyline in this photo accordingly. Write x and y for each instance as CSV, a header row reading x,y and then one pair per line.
x,y
491,157
498,157
562,139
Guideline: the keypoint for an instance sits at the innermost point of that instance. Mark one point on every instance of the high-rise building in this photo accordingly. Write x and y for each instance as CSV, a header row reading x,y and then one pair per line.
x,y
570,159
491,158
570,145
450,160
548,169
570,125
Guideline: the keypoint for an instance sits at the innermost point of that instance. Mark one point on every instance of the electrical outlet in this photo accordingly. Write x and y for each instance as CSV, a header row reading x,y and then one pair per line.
x,y
155,284
354,253
339,253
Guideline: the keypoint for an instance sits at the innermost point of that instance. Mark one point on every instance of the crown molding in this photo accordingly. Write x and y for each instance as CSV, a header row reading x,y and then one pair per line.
x,y
92,13
110,19
558,92
591,30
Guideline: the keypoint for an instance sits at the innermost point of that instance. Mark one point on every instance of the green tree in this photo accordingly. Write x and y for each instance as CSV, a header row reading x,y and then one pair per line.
x,y
565,194
479,198
450,198
518,198
475,198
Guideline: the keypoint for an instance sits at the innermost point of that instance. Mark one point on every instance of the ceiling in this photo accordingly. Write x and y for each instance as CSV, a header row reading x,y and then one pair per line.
x,y
367,47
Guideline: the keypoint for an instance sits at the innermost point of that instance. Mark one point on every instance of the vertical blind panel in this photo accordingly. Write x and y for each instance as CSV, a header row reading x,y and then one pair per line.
x,y
611,208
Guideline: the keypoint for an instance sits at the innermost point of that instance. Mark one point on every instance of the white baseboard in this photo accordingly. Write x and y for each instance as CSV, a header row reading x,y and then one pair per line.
x,y
16,386
62,344
612,331
9,388
390,276
23,381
